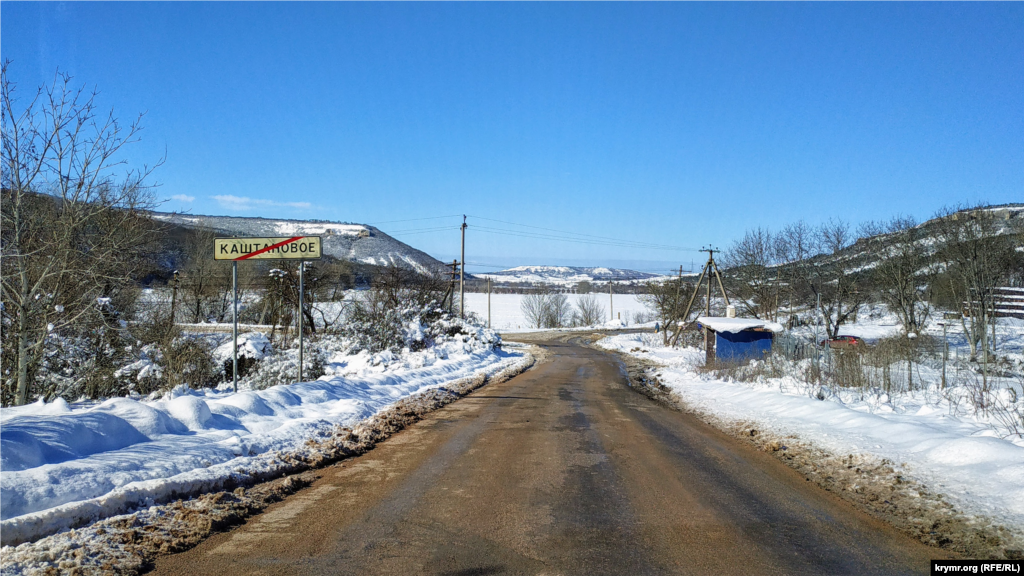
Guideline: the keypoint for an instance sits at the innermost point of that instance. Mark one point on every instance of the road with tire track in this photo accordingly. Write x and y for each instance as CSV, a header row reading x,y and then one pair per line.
x,y
561,470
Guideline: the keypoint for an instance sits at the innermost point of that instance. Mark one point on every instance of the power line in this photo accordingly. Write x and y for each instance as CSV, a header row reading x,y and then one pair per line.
x,y
582,235
618,243
420,230
414,219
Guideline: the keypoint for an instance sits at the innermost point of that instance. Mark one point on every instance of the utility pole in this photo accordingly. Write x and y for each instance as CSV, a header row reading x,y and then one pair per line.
x,y
707,332
611,303
174,295
234,325
462,273
450,296
488,303
709,268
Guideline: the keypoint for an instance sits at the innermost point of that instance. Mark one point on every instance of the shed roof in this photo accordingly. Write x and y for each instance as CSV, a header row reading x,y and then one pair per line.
x,y
722,324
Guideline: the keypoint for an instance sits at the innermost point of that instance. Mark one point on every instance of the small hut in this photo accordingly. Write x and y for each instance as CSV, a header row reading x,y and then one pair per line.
x,y
738,339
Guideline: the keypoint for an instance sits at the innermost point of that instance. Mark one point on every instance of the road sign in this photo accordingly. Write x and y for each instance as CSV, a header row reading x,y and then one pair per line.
x,y
236,249
294,248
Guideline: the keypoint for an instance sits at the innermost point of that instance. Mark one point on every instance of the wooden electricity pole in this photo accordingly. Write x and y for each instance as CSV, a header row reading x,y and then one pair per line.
x,y
488,303
709,268
611,303
462,273
449,295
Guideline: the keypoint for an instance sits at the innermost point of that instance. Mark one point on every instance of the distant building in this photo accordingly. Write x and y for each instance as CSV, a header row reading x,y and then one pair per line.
x,y
738,339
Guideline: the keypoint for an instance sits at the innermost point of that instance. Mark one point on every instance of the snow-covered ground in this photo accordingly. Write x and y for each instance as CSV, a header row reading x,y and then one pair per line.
x,y
507,314
568,276
970,457
63,464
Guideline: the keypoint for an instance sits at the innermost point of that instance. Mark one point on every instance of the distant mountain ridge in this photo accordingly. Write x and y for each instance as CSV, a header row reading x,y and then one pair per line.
x,y
566,275
360,243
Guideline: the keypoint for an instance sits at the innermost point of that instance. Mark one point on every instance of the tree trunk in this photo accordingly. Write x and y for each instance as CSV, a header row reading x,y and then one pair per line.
x,y
22,397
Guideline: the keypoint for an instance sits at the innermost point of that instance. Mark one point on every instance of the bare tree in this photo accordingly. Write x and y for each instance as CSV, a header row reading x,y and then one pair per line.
x,y
205,283
828,277
545,309
325,280
73,231
753,273
977,257
534,308
902,275
667,301
589,311
558,311
796,245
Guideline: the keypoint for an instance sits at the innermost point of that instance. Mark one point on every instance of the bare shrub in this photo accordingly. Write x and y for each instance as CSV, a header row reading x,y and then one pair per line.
x,y
640,317
547,310
181,358
559,311
589,311
189,360
378,318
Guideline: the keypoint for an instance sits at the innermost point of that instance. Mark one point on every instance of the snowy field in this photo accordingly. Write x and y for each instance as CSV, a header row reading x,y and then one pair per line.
x,y
507,314
65,464
971,457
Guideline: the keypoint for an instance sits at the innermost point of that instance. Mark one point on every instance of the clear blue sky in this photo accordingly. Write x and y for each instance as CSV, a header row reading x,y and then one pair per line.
x,y
670,124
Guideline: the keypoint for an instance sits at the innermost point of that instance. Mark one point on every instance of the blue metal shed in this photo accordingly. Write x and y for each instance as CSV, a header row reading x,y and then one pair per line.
x,y
740,339
743,346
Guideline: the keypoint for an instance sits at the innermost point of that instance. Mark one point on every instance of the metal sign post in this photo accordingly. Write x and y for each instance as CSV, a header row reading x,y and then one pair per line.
x,y
299,248
234,325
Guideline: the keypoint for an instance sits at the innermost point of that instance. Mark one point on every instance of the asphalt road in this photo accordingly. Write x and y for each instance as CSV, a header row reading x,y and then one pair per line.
x,y
561,470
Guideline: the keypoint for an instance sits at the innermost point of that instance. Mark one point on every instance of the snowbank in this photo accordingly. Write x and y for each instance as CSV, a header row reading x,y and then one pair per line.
x,y
66,465
959,457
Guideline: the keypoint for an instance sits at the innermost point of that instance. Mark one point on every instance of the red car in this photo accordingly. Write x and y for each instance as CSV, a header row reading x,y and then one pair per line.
x,y
843,342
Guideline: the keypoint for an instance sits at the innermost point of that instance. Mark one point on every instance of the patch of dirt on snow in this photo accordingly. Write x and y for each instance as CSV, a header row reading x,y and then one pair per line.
x,y
871,484
128,544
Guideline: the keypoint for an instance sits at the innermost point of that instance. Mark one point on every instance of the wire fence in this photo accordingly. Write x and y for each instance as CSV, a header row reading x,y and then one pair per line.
x,y
894,365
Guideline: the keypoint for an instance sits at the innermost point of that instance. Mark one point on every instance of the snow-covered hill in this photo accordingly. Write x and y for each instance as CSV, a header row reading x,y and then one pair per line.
x,y
353,242
865,253
565,275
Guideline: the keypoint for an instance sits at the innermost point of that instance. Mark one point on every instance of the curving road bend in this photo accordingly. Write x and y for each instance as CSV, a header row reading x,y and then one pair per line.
x,y
561,470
